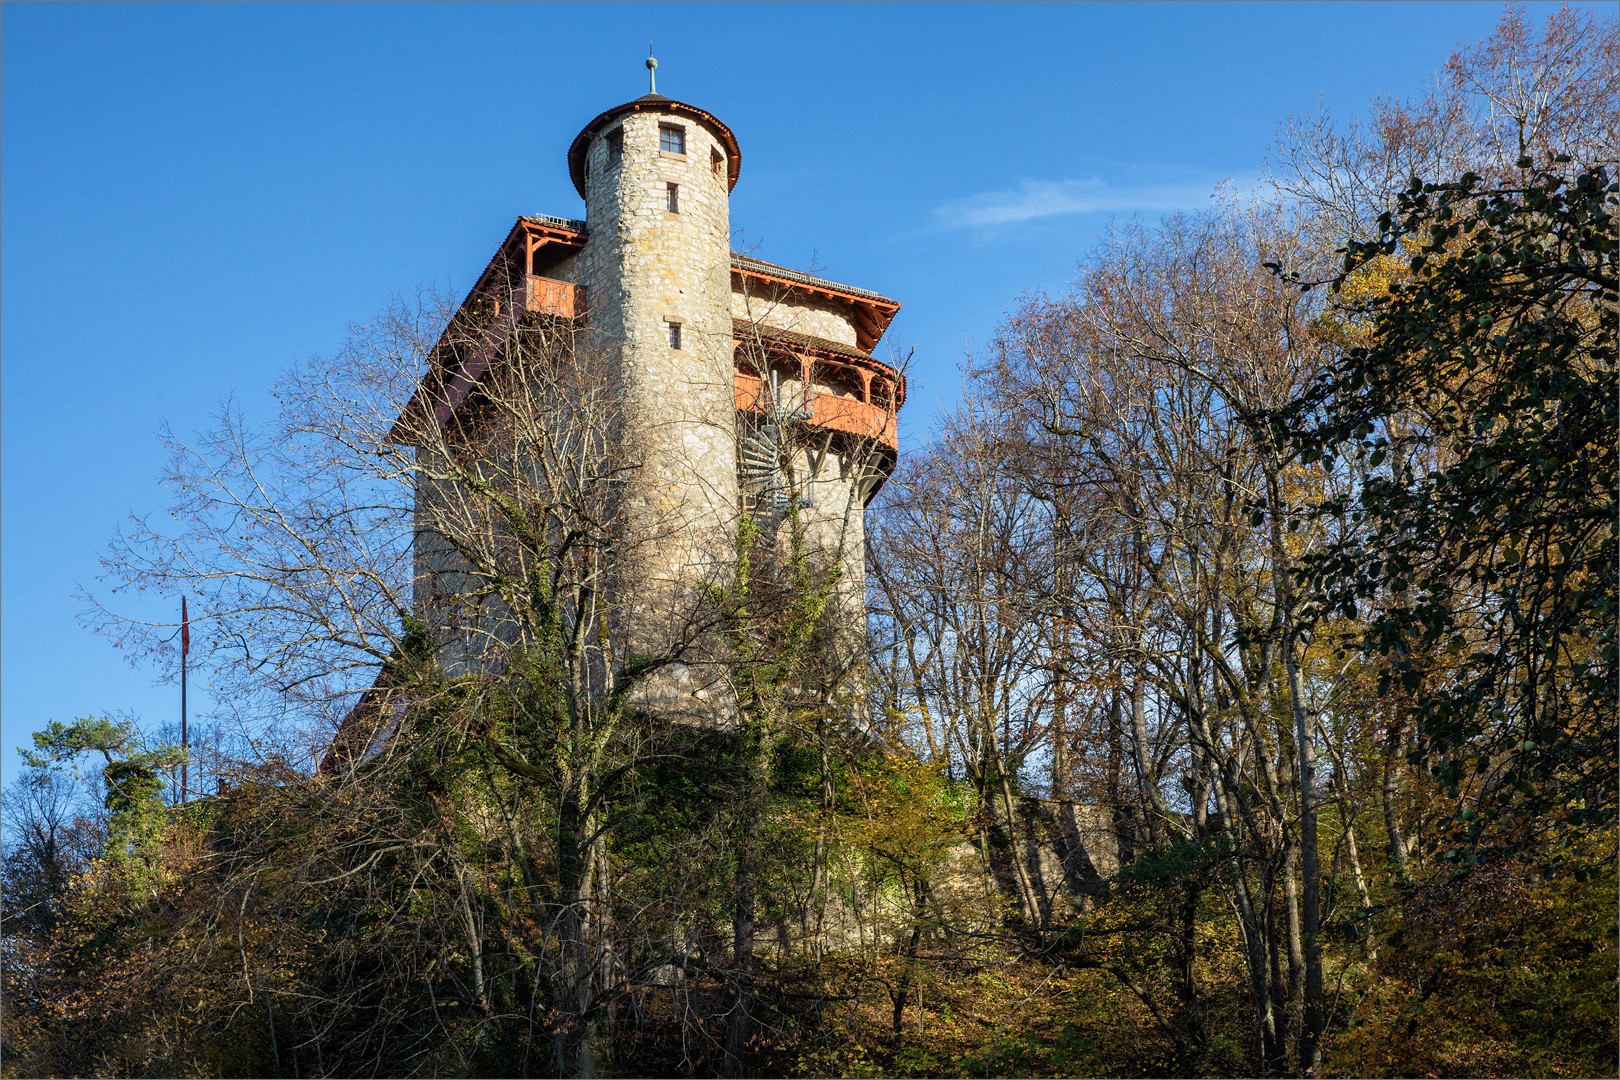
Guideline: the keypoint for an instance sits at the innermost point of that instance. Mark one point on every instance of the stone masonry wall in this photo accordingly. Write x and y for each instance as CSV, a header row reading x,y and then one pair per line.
x,y
1069,852
795,311
834,523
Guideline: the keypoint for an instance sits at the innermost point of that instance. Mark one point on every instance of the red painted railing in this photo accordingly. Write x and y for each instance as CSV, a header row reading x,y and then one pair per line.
x,y
828,411
555,297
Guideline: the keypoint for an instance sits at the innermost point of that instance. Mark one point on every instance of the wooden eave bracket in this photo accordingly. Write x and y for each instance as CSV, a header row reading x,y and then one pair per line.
x,y
870,367
869,326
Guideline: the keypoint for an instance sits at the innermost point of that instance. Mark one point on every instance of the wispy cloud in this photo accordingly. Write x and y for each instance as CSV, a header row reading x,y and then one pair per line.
x,y
1033,199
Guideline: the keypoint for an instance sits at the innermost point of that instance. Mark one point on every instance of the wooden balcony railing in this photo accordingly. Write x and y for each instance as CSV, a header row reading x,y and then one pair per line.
x,y
551,297
827,410
855,417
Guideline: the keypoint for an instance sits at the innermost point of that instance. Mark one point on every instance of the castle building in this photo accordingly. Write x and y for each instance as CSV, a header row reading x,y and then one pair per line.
x,y
755,385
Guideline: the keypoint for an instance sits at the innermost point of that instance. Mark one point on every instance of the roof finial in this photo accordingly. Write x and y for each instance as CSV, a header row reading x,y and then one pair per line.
x,y
652,71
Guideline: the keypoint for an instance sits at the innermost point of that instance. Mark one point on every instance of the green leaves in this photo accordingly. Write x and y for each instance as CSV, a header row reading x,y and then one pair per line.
x,y
133,784
1488,391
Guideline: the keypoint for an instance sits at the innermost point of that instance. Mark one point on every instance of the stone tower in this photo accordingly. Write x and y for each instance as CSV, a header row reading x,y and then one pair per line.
x,y
656,177
753,385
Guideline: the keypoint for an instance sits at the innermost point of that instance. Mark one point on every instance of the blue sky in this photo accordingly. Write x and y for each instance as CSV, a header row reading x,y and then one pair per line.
x,y
194,196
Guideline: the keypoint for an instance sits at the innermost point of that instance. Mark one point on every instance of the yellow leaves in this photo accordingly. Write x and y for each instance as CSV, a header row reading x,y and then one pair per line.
x,y
906,814
1526,965
1368,283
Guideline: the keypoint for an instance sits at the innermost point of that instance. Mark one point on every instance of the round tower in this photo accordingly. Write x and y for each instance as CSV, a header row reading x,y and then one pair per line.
x,y
656,176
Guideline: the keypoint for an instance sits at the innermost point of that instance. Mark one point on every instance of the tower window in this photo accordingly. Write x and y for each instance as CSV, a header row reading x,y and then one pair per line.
x,y
672,198
615,141
674,334
717,163
671,139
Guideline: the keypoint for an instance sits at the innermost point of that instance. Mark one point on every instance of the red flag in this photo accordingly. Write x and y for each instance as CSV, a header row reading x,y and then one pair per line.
x,y
185,629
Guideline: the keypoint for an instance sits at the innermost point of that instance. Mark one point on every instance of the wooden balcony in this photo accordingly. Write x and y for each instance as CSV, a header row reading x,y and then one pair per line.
x,y
855,417
831,411
550,297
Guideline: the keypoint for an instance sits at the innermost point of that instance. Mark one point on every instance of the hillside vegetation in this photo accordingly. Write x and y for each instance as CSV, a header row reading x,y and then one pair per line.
x,y
1238,695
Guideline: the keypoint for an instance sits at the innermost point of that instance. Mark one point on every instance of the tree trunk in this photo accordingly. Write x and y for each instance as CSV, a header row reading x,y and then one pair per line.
x,y
818,877
906,976
574,992
1280,989
472,930
602,941
740,1020
1158,811
1256,959
1310,995
1399,854
1341,786
1015,848
1235,818
1310,1053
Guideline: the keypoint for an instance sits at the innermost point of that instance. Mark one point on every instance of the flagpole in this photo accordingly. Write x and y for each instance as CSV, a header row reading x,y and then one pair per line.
x,y
185,647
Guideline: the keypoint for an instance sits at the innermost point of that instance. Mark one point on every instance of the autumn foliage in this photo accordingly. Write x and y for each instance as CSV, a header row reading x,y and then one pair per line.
x,y
1238,695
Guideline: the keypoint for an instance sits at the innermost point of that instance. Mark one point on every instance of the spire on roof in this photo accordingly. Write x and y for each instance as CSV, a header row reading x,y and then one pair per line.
x,y
652,71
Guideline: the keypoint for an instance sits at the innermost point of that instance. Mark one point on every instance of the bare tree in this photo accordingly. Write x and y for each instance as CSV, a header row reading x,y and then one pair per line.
x,y
1134,410
460,550
1518,93
51,835
959,651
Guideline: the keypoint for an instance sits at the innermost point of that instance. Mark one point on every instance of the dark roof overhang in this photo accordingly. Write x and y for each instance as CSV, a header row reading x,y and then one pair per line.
x,y
872,312
444,385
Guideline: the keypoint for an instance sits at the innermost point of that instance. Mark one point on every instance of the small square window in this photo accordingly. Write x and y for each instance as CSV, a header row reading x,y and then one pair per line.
x,y
615,141
674,334
671,139
672,198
